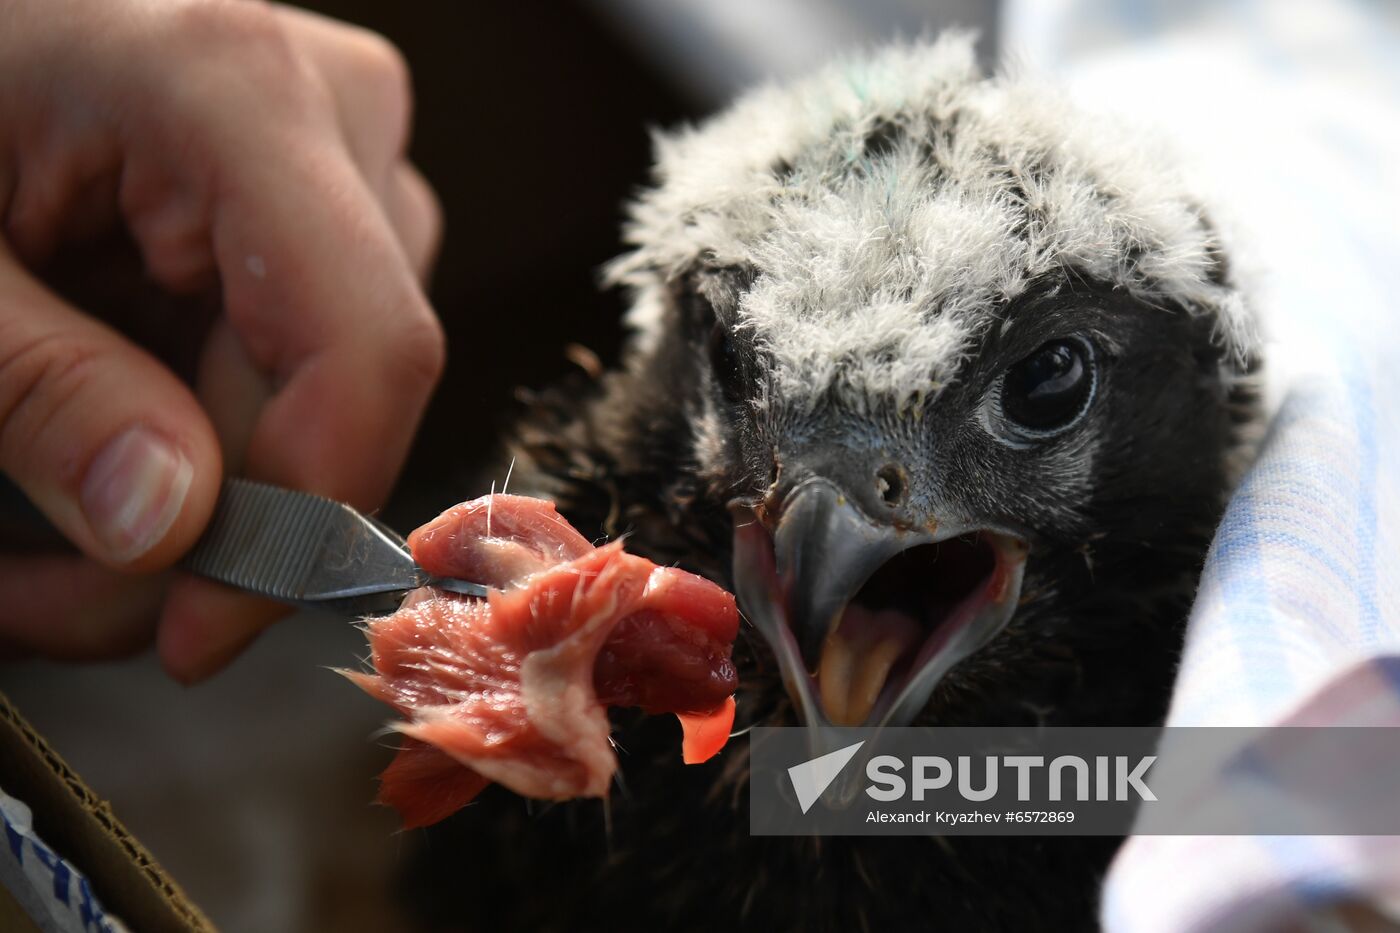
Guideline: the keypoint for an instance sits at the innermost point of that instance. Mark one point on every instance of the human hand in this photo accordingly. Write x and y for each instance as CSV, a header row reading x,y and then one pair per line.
x,y
247,148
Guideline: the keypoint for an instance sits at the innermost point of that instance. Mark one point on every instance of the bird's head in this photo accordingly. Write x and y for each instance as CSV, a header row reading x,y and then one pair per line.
x,y
940,339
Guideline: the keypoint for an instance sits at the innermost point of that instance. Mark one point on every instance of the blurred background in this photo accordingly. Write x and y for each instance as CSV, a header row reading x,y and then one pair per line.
x,y
532,124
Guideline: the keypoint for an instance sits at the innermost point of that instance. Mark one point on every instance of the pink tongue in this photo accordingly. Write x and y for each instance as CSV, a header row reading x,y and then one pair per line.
x,y
857,658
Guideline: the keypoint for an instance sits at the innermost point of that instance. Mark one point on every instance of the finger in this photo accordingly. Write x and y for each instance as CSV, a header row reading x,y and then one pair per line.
x,y
67,192
322,296
212,623
69,608
414,212
232,390
204,626
101,437
369,82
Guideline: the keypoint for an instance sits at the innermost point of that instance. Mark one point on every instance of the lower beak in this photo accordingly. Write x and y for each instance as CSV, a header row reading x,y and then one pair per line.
x,y
865,619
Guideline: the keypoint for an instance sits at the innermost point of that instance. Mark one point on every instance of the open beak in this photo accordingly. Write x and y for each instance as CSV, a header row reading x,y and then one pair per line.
x,y
866,618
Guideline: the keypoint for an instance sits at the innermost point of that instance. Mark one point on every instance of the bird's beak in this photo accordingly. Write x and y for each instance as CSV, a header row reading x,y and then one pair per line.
x,y
866,618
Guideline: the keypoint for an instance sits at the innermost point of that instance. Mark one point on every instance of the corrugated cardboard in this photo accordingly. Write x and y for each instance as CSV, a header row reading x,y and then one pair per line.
x,y
81,826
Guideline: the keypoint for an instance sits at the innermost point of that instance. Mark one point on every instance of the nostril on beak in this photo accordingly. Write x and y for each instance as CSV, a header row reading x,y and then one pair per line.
x,y
891,484
772,495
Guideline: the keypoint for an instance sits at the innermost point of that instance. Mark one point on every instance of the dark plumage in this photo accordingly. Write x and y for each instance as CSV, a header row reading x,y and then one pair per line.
x,y
725,397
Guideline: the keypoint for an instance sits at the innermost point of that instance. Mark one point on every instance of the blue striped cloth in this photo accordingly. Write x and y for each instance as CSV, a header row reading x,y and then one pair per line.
x,y
1289,112
1296,623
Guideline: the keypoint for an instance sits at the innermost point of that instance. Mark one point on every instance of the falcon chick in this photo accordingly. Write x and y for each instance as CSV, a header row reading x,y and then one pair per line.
x,y
898,330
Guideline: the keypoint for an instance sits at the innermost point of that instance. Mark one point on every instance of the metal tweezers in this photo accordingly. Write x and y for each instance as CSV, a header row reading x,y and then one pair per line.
x,y
311,552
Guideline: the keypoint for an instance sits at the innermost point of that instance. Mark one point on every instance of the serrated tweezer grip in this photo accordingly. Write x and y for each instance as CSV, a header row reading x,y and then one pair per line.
x,y
308,551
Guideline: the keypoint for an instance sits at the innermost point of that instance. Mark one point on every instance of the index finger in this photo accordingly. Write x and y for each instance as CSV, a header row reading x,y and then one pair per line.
x,y
325,301
320,292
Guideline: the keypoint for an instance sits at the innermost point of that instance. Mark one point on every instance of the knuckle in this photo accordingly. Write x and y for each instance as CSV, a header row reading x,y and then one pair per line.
x,y
231,48
209,24
383,63
432,213
433,229
383,75
205,26
39,377
417,216
418,353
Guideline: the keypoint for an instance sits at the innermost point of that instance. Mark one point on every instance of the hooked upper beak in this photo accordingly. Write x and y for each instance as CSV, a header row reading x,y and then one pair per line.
x,y
866,617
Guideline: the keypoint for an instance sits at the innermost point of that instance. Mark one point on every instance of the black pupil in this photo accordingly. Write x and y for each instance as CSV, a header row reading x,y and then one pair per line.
x,y
1047,389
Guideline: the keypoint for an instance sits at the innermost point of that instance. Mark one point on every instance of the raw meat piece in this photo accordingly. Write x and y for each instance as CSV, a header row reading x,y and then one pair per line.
x,y
514,688
705,733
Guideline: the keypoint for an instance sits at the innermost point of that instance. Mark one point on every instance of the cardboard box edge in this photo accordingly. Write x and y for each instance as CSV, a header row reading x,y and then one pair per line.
x,y
81,826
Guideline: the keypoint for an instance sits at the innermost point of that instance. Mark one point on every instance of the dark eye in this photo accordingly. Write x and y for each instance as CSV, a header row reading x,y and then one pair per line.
x,y
724,360
1047,391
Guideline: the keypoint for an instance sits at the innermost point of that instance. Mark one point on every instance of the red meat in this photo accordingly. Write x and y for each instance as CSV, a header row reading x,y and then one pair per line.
x,y
514,688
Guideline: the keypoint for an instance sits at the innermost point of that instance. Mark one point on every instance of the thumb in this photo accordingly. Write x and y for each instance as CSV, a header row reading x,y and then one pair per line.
x,y
101,437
